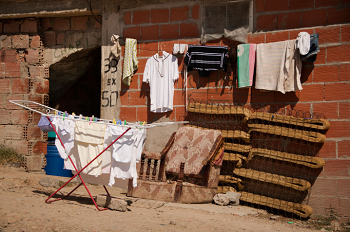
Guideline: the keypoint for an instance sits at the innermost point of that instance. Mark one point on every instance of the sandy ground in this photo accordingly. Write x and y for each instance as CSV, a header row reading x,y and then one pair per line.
x,y
23,208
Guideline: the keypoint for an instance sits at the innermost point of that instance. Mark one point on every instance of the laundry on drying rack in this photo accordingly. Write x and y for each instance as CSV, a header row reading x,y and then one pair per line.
x,y
66,130
206,59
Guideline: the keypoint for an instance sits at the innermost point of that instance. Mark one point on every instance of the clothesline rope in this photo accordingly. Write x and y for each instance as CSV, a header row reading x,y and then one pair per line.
x,y
46,111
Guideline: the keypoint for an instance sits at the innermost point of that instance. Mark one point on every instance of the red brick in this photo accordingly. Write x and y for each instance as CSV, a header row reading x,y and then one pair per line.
x,y
338,15
19,117
138,97
189,30
179,13
337,168
148,49
338,129
124,98
328,109
142,65
296,5
49,38
61,24
127,18
195,12
294,33
60,38
343,149
256,38
289,20
79,23
179,98
317,204
343,187
259,5
37,71
169,31
344,110
341,206
21,146
12,69
46,24
328,35
338,53
180,113
345,33
11,27
328,150
41,86
40,148
150,32
321,56
276,5
36,42
132,32
277,36
324,3
266,22
128,114
328,73
142,114
5,85
32,56
312,93
344,72
242,95
20,41
20,85
2,70
314,18
198,94
133,83
36,97
159,15
11,106
140,17
8,55
166,46
337,91
29,25
324,187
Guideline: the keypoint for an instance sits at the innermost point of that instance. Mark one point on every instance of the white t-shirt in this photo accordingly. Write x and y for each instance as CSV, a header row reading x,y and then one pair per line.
x,y
161,73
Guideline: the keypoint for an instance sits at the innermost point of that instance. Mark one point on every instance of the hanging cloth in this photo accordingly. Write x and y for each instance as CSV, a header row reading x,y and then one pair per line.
x,y
245,63
116,49
130,60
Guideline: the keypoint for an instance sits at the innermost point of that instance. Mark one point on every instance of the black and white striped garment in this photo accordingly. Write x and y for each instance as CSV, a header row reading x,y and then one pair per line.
x,y
206,58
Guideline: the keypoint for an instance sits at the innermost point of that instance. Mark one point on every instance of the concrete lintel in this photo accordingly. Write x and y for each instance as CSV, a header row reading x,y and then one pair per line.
x,y
47,14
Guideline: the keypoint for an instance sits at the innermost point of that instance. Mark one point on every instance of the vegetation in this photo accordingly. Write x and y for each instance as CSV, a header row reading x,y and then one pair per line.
x,y
10,155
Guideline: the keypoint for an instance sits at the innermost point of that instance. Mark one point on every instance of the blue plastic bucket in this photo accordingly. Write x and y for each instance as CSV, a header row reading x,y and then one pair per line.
x,y
54,163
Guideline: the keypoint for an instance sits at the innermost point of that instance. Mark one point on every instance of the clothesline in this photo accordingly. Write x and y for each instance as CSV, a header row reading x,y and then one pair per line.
x,y
46,111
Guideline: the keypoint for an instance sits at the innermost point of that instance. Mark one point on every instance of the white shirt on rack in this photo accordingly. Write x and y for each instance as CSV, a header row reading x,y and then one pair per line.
x,y
161,74
65,130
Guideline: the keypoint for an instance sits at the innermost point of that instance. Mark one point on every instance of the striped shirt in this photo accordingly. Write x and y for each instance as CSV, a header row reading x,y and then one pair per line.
x,y
206,58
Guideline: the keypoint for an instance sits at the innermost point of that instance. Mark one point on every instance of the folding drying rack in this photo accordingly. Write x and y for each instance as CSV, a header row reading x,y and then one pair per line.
x,y
51,112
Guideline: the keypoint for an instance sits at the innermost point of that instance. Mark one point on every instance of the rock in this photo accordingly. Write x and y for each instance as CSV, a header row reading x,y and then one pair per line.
x,y
274,217
234,197
221,199
335,226
111,203
49,182
148,204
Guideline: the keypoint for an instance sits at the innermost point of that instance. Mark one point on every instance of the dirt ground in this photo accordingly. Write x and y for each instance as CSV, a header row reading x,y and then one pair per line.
x,y
23,208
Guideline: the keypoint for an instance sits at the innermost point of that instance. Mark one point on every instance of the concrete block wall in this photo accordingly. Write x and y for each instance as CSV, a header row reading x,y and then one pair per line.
x,y
24,74
326,82
22,77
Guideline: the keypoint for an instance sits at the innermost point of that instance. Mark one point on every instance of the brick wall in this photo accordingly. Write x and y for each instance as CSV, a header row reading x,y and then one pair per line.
x,y
22,77
326,83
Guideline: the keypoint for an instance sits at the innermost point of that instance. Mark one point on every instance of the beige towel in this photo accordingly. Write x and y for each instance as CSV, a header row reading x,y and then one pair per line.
x,y
278,67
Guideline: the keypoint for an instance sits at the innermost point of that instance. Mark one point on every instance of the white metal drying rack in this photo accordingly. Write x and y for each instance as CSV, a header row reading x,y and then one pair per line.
x,y
47,111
